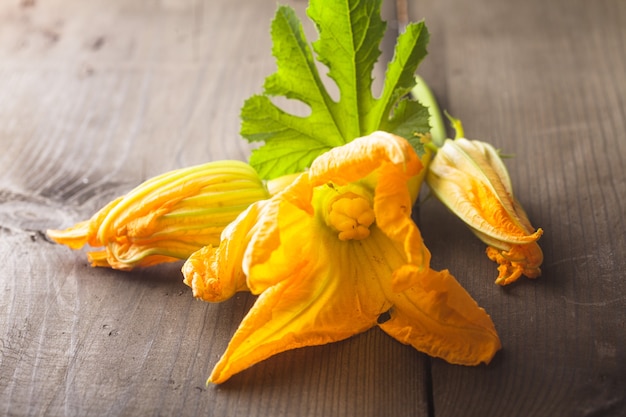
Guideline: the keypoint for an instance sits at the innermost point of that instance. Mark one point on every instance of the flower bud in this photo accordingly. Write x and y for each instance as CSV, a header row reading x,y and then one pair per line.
x,y
168,217
469,177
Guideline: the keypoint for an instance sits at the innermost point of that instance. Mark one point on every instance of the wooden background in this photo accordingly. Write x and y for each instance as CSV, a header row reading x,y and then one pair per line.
x,y
97,96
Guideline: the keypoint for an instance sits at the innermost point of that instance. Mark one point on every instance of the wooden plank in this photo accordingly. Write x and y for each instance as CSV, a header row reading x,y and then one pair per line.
x,y
96,97
545,81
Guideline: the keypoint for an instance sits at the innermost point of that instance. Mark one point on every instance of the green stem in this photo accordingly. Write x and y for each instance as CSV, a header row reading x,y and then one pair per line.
x,y
424,95
456,125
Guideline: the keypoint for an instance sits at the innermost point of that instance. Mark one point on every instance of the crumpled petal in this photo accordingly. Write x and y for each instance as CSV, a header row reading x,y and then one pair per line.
x,y
215,281
438,317
346,164
393,207
517,261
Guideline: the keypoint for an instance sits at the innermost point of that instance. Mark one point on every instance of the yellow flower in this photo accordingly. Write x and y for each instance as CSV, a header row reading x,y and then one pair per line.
x,y
168,217
469,177
334,254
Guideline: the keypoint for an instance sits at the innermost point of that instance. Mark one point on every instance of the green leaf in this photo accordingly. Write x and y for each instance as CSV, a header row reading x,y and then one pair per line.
x,y
350,33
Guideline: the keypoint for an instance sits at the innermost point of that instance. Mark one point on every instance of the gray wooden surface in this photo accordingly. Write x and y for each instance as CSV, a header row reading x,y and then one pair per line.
x,y
97,96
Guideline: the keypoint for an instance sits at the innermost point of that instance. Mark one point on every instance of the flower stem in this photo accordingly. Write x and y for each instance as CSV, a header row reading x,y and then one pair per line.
x,y
424,95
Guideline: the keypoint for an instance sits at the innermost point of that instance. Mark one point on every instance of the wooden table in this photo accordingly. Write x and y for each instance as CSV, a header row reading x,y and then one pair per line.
x,y
97,96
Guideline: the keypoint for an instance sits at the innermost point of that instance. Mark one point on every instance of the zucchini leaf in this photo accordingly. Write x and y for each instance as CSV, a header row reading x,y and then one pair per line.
x,y
350,33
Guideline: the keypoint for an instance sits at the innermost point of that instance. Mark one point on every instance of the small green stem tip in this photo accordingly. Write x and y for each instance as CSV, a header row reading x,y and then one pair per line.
x,y
456,125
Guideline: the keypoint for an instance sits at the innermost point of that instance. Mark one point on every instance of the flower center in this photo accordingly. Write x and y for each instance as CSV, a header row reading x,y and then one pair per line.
x,y
350,213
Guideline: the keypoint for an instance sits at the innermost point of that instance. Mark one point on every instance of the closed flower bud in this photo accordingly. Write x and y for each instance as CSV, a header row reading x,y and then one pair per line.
x,y
469,177
168,217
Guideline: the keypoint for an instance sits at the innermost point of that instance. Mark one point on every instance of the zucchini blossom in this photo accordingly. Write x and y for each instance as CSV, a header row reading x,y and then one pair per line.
x,y
167,217
469,177
336,253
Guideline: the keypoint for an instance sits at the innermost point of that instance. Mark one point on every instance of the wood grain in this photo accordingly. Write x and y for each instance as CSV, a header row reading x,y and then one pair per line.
x,y
97,96
546,82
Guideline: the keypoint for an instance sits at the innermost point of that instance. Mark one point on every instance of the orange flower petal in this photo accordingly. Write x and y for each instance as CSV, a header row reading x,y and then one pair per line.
x,y
362,156
438,317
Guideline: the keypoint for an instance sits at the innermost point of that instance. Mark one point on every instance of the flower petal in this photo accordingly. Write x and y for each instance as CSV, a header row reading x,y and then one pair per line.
x,y
284,231
362,156
477,205
440,318
393,206
85,232
215,274
518,260
321,301
482,160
